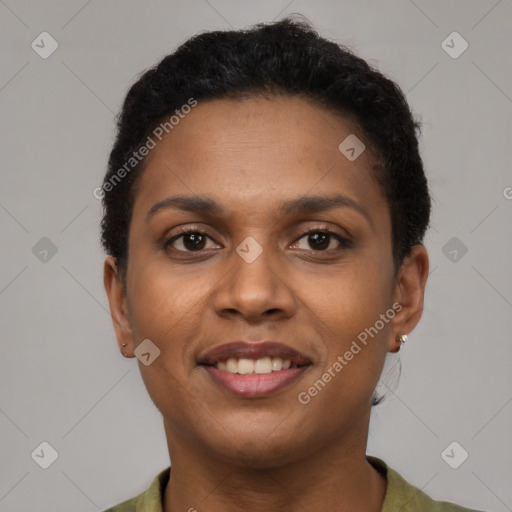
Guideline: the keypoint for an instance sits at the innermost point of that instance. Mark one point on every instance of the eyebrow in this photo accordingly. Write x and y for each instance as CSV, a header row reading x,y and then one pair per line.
x,y
305,204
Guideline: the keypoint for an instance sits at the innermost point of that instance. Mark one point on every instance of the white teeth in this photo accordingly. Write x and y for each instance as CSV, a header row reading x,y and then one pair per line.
x,y
232,365
277,363
261,366
245,366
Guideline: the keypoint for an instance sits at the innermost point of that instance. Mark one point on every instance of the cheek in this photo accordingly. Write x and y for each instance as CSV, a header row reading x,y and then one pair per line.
x,y
160,294
353,331
355,296
165,305
166,308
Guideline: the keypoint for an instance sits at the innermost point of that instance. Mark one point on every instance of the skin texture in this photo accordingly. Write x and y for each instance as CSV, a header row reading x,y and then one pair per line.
x,y
272,453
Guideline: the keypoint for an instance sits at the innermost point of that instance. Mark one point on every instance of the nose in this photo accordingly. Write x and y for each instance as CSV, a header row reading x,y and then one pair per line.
x,y
255,291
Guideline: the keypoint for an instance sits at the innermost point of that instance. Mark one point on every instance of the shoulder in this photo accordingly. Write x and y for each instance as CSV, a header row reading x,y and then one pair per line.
x,y
125,506
151,500
401,495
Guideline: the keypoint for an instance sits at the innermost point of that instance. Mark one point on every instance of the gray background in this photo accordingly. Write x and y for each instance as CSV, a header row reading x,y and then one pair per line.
x,y
63,380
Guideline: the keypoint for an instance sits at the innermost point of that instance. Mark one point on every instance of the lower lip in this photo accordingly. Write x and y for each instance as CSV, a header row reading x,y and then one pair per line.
x,y
253,386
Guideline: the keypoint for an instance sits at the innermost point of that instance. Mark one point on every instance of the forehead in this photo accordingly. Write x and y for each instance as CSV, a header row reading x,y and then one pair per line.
x,y
253,152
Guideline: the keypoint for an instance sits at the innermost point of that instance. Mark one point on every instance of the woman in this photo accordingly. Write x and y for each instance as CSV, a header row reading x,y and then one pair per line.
x,y
264,212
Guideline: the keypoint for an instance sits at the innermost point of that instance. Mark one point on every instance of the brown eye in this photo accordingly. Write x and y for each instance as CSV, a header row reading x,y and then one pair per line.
x,y
194,241
319,241
322,240
188,241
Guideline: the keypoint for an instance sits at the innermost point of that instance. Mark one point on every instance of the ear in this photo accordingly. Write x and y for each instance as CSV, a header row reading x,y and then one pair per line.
x,y
118,306
409,292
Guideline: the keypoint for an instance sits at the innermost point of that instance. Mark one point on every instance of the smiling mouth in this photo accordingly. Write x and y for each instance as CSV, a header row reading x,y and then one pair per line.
x,y
254,369
262,366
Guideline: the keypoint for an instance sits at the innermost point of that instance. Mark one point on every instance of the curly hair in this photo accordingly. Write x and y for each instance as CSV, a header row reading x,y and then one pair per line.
x,y
287,57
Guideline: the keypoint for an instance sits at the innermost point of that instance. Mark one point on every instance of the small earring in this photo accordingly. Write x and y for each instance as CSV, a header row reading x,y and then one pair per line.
x,y
402,339
124,345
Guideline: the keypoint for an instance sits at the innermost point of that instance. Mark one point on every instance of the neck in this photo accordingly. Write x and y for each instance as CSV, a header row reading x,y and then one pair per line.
x,y
336,478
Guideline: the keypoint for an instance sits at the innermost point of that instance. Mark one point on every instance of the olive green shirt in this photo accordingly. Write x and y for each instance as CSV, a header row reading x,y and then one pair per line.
x,y
400,495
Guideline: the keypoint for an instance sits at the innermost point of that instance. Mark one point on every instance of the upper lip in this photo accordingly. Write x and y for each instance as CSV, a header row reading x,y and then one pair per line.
x,y
252,350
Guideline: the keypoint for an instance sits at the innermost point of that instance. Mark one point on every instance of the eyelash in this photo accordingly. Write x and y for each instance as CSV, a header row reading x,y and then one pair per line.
x,y
345,243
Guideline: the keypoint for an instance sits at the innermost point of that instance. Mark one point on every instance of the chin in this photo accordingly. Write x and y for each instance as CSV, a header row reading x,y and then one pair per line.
x,y
259,453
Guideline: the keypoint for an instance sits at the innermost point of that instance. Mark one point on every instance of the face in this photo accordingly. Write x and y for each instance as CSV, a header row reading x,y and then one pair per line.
x,y
250,225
